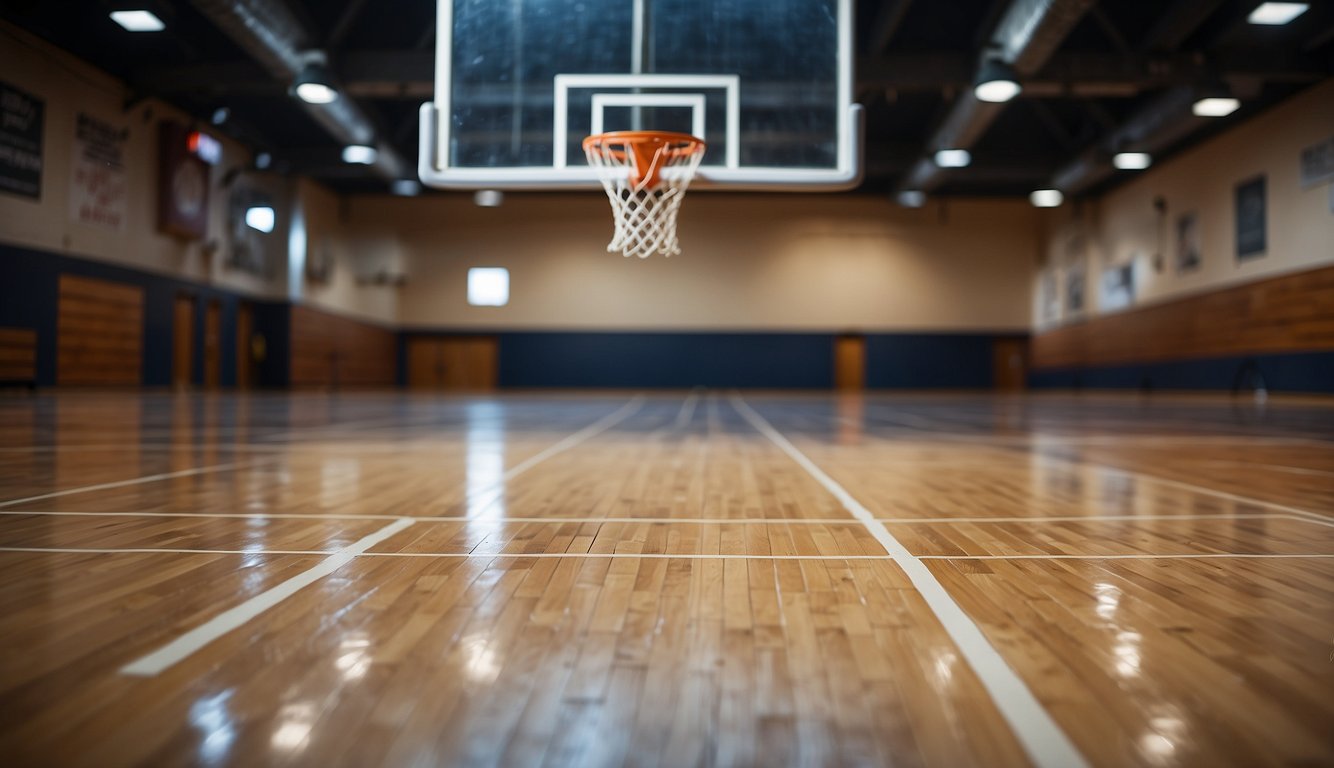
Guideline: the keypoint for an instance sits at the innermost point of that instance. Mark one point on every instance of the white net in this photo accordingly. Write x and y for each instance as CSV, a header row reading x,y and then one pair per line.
x,y
646,176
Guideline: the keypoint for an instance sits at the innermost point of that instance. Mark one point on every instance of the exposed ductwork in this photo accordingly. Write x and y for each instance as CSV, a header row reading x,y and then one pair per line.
x,y
1161,124
1025,38
271,33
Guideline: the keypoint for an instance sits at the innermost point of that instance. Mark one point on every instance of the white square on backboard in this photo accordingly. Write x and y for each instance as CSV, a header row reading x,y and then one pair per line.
x,y
488,286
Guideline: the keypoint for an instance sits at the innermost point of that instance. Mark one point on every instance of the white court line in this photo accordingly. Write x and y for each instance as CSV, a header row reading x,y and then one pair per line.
x,y
185,645
1182,485
641,555
687,410
674,520
469,555
192,641
1191,556
1043,740
134,481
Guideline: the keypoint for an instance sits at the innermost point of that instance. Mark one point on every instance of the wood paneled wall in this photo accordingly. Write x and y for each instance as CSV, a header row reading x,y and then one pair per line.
x,y
1293,313
333,351
18,355
99,332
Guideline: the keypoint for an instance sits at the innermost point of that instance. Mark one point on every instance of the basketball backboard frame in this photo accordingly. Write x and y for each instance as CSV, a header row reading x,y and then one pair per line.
x,y
684,91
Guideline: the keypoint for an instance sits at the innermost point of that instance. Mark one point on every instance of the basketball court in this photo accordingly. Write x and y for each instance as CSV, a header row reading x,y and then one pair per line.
x,y
826,450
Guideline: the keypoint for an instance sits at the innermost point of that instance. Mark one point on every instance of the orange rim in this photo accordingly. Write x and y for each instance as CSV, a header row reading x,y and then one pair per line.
x,y
647,147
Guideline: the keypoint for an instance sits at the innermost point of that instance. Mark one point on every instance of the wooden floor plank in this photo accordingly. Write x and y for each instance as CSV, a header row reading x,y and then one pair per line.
x,y
445,644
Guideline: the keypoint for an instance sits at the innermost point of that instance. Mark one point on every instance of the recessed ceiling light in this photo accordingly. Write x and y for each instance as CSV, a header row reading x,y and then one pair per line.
x,y
359,154
263,160
1046,198
953,158
138,21
1132,161
1275,14
314,85
1215,106
912,198
996,82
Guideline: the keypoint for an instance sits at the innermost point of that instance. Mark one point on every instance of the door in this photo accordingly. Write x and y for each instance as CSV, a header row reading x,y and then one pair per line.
x,y
245,328
453,363
1010,364
183,342
850,363
213,345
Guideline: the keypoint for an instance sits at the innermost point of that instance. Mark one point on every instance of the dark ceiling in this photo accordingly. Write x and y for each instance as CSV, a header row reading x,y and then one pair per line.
x,y
1104,75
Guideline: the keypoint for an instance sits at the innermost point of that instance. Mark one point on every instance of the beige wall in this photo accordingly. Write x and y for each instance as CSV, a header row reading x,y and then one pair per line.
x,y
67,86
1123,226
325,234
803,262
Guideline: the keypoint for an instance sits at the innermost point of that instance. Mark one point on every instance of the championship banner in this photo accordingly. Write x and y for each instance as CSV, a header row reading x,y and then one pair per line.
x,y
98,190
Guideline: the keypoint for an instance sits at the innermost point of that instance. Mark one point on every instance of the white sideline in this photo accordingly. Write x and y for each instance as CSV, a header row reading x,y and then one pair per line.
x,y
1043,740
177,650
134,481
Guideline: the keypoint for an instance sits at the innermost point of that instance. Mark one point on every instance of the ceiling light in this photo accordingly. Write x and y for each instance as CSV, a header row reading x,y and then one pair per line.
x,y
138,21
260,217
263,160
406,187
314,85
220,115
1215,106
359,154
488,198
911,198
953,158
996,82
1275,14
1046,198
1132,161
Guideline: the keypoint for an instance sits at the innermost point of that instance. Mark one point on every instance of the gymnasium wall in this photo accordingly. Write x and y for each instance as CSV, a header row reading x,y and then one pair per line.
x,y
1199,327
68,86
43,246
761,289
749,262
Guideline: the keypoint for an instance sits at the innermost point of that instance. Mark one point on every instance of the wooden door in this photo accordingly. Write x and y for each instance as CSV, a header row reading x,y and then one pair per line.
x,y
453,363
245,328
213,345
99,332
425,367
183,343
1010,364
850,363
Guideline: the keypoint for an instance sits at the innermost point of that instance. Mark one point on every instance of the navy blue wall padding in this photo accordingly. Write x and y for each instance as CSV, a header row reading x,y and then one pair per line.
x,y
1286,372
29,298
929,361
670,360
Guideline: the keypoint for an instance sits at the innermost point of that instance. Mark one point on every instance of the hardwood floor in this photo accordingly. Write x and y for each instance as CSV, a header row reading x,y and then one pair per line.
x,y
666,579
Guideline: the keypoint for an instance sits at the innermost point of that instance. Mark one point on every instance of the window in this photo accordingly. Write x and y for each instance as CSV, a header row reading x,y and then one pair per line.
x,y
488,286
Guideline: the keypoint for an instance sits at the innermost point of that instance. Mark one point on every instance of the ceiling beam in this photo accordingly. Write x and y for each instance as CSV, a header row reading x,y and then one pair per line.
x,y
1177,22
273,35
410,74
887,22
1026,36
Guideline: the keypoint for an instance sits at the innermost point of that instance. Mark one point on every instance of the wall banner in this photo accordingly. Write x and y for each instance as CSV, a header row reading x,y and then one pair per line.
x,y
21,119
98,189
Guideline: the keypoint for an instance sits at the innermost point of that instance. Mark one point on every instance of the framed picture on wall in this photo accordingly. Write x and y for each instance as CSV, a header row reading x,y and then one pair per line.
x,y
1188,243
1117,287
1250,219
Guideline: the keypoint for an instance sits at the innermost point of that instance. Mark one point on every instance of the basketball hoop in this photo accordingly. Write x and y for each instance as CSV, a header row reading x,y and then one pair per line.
x,y
646,174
